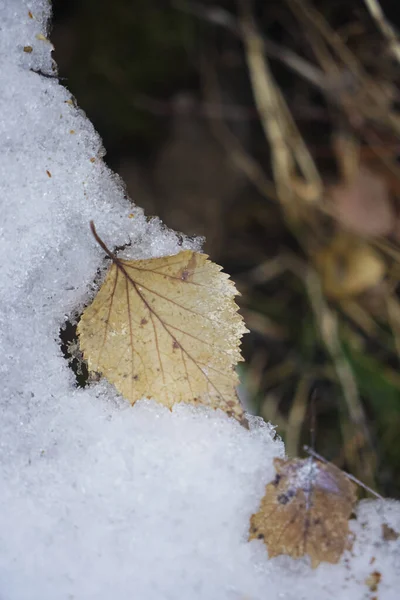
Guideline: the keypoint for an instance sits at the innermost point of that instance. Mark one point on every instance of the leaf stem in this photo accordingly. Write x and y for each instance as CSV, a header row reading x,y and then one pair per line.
x,y
102,244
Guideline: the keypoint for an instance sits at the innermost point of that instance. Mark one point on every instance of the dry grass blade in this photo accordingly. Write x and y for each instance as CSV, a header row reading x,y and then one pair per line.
x,y
287,146
327,322
268,104
318,26
365,99
166,328
363,458
385,27
297,415
362,318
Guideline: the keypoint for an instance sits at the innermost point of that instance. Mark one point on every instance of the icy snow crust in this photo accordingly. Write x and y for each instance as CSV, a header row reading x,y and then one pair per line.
x,y
99,500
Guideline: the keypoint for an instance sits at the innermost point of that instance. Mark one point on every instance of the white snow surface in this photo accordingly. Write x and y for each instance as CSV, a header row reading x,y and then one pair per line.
x,y
99,500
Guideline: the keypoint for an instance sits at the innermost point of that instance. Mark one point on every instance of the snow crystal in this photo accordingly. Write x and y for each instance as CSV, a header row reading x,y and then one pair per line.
x,y
99,499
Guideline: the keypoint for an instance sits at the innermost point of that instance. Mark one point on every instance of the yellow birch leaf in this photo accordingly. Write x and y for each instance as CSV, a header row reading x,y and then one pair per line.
x,y
306,510
166,328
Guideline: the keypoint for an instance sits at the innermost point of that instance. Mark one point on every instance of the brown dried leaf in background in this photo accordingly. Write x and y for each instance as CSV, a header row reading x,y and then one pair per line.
x,y
348,266
363,204
166,328
305,510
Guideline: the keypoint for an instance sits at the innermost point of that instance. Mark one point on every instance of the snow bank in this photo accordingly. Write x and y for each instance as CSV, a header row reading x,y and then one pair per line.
x,y
99,500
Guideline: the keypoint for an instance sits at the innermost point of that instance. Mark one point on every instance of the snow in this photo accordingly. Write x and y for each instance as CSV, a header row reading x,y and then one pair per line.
x,y
99,499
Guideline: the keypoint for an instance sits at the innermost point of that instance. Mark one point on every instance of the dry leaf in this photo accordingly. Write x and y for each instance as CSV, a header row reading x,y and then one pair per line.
x,y
305,510
363,204
388,533
348,267
166,328
373,580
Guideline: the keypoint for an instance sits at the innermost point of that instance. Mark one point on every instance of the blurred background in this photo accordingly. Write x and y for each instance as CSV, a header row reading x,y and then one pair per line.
x,y
272,129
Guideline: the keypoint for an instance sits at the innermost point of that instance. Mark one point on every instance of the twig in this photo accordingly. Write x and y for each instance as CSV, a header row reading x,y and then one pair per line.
x,y
312,452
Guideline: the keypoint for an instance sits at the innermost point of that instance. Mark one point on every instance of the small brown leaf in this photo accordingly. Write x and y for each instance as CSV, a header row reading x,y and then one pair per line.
x,y
305,510
373,580
166,328
363,204
349,267
389,534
